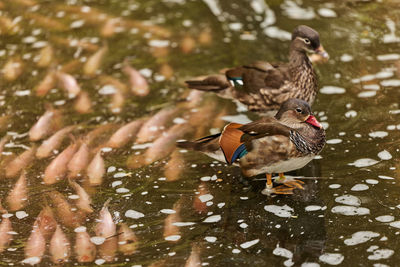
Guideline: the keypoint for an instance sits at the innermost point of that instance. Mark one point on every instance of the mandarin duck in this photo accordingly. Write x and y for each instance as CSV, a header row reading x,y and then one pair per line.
x,y
263,86
270,145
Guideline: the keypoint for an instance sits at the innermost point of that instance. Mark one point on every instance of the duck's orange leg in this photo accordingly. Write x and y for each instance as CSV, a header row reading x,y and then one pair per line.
x,y
290,183
269,189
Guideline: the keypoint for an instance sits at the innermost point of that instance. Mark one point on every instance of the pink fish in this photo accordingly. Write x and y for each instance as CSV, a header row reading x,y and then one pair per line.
x,y
46,222
46,124
127,240
69,84
93,63
15,166
84,201
18,196
79,161
57,169
155,126
138,83
49,82
187,44
5,236
52,143
85,250
12,69
174,166
164,145
117,101
60,248
194,258
64,210
46,56
3,141
170,229
106,228
83,103
96,169
198,204
35,246
124,134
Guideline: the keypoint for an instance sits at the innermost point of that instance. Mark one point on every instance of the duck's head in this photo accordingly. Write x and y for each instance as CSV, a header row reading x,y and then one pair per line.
x,y
294,113
306,39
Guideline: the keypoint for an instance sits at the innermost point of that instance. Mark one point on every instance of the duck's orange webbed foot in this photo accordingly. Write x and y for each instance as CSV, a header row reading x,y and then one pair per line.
x,y
293,183
287,187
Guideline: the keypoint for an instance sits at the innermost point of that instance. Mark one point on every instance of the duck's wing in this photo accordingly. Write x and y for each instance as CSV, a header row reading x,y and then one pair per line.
x,y
236,139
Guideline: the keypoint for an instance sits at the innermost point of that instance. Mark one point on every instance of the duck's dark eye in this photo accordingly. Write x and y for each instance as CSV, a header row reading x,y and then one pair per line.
x,y
298,110
307,41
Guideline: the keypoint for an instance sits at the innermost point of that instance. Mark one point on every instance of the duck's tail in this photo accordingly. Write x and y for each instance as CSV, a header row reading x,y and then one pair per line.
x,y
215,83
205,144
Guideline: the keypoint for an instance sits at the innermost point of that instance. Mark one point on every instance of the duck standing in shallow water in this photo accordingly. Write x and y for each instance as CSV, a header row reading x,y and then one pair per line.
x,y
262,86
280,144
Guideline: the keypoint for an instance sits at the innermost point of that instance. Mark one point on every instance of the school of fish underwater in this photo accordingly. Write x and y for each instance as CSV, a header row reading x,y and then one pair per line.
x,y
200,133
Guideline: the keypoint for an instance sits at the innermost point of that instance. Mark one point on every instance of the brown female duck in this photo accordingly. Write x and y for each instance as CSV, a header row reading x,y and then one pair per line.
x,y
262,86
280,144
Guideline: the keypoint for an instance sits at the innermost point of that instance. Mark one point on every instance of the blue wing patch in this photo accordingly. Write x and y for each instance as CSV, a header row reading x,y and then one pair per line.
x,y
239,152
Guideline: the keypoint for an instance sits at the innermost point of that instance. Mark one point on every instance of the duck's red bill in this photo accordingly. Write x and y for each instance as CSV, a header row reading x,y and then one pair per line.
x,y
313,121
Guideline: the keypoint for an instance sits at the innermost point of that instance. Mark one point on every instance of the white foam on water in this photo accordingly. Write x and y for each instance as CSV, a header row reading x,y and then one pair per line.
x,y
327,13
249,243
241,118
350,210
375,87
388,57
360,187
366,94
329,90
346,58
348,200
32,260
276,33
206,197
378,134
310,264
210,239
360,237
395,224
294,11
380,254
385,218
335,186
312,208
334,141
280,211
212,219
283,252
366,162
167,211
331,258
133,214
390,83
371,181
181,224
385,155
350,114
384,177
172,237
99,261
97,240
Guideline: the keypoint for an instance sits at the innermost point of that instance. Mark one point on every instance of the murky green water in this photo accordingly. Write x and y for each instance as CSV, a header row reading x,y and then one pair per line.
x,y
184,207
